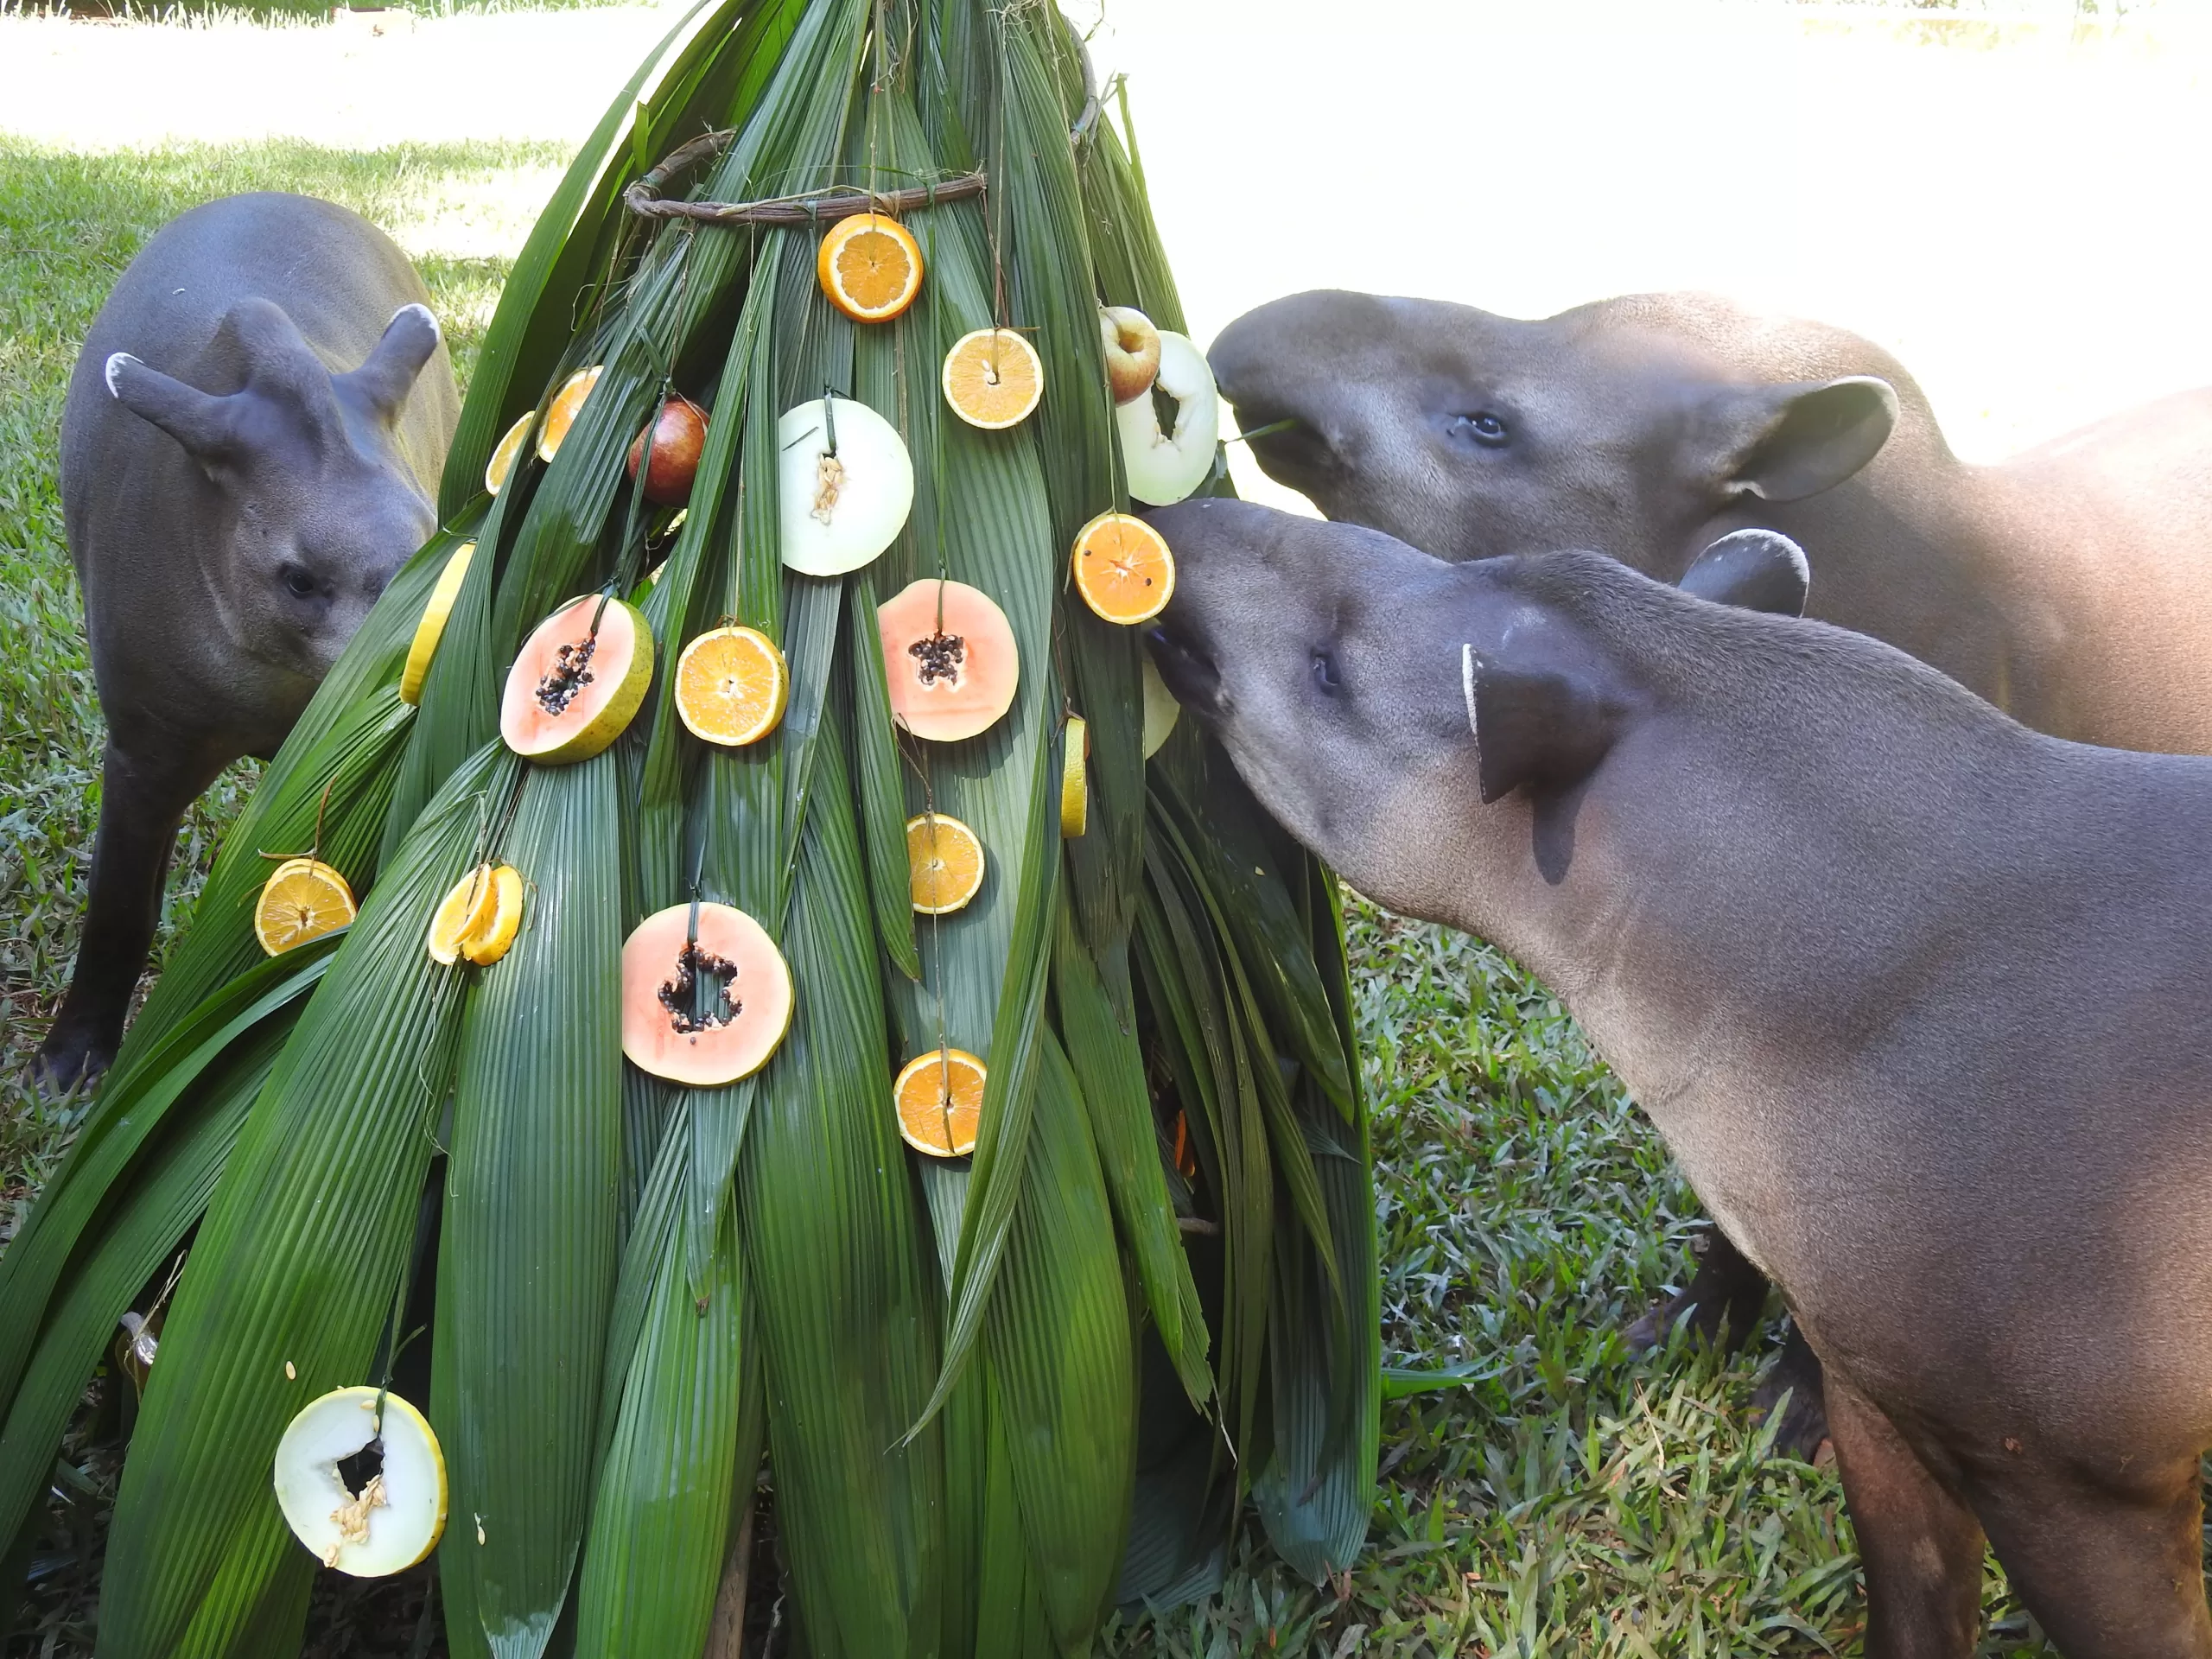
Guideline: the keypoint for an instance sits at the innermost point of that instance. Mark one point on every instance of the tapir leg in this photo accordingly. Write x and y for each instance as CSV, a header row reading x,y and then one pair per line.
x,y
1920,1545
144,794
2109,1574
1723,1301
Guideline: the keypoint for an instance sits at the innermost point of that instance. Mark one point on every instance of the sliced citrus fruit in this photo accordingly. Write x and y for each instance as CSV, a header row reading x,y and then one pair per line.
x,y
702,1008
1132,347
944,863
870,266
731,685
574,687
502,464
993,379
389,1516
432,627
940,1097
948,659
1161,711
567,403
302,900
844,485
1122,568
488,941
464,911
1165,467
1074,779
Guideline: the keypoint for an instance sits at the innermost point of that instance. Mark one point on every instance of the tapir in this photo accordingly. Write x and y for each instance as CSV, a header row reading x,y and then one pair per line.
x,y
1915,994
2071,585
249,448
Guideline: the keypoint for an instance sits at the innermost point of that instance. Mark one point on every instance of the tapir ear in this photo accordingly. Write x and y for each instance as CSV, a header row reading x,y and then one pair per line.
x,y
1753,570
384,380
1783,443
1538,727
206,425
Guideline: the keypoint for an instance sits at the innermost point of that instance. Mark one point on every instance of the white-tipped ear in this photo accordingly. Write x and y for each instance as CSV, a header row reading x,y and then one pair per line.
x,y
385,378
201,422
1467,688
116,360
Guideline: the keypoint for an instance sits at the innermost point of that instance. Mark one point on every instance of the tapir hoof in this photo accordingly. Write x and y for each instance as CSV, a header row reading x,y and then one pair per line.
x,y
70,1059
1804,1420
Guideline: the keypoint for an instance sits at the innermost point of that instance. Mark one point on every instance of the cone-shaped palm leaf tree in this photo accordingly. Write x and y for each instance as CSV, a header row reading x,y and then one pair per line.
x,y
996,1393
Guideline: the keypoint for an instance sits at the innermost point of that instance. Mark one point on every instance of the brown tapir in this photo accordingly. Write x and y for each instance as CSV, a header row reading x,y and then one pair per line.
x,y
1917,997
2071,586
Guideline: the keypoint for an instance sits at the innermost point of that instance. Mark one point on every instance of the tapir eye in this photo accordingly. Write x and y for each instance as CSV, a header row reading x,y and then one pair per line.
x,y
1482,427
1324,673
299,581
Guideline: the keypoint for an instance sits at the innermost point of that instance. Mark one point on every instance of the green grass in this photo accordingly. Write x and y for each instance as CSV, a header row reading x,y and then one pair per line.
x,y
1564,1499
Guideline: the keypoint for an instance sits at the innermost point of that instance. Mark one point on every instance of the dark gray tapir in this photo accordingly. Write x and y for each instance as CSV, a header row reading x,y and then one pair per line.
x,y
250,449
1917,994
2071,585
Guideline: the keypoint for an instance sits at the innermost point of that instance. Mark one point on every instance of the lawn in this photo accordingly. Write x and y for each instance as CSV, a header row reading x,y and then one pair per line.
x,y
1561,1498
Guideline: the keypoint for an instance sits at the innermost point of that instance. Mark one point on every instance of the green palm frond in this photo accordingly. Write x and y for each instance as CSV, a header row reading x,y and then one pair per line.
x,y
996,1394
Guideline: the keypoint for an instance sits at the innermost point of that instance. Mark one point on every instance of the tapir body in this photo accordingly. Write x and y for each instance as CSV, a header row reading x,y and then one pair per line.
x,y
2070,585
1916,994
249,448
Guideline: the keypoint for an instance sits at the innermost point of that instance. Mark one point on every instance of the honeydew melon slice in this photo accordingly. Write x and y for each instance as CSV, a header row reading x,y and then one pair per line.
x,y
1161,711
1165,467
395,1516
840,510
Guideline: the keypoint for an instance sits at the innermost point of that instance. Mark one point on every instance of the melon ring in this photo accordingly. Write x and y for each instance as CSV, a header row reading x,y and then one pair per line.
x,y
660,963
950,660
399,1516
1165,467
559,709
838,512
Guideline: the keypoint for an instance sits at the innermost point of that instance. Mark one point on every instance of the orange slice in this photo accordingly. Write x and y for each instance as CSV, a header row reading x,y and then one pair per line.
x,y
731,685
567,403
464,911
302,900
1122,568
509,452
870,266
940,1098
488,942
1074,779
993,379
944,863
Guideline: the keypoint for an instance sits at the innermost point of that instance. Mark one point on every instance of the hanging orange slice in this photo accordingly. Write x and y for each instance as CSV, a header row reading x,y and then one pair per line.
x,y
870,267
464,911
509,452
1074,779
567,403
302,900
940,1097
731,686
944,863
1122,568
993,379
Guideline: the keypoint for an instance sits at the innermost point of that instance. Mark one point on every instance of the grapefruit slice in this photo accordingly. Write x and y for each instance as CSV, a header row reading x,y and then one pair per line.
x,y
870,266
302,900
731,686
1123,569
1165,467
1132,350
432,627
487,942
846,484
364,1490
707,1011
944,864
940,1097
1161,711
502,464
949,658
993,379
572,690
567,404
1074,779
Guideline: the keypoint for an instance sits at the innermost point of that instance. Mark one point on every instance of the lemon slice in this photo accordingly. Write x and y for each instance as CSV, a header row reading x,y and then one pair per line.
x,y
486,943
393,1519
1074,779
432,627
302,900
465,910
944,863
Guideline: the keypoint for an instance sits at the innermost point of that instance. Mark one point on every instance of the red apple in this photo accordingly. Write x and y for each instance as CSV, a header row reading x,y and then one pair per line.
x,y
678,435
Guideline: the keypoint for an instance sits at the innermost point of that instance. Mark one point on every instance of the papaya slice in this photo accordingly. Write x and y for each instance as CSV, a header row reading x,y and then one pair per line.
x,y
432,627
573,688
949,659
703,1009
